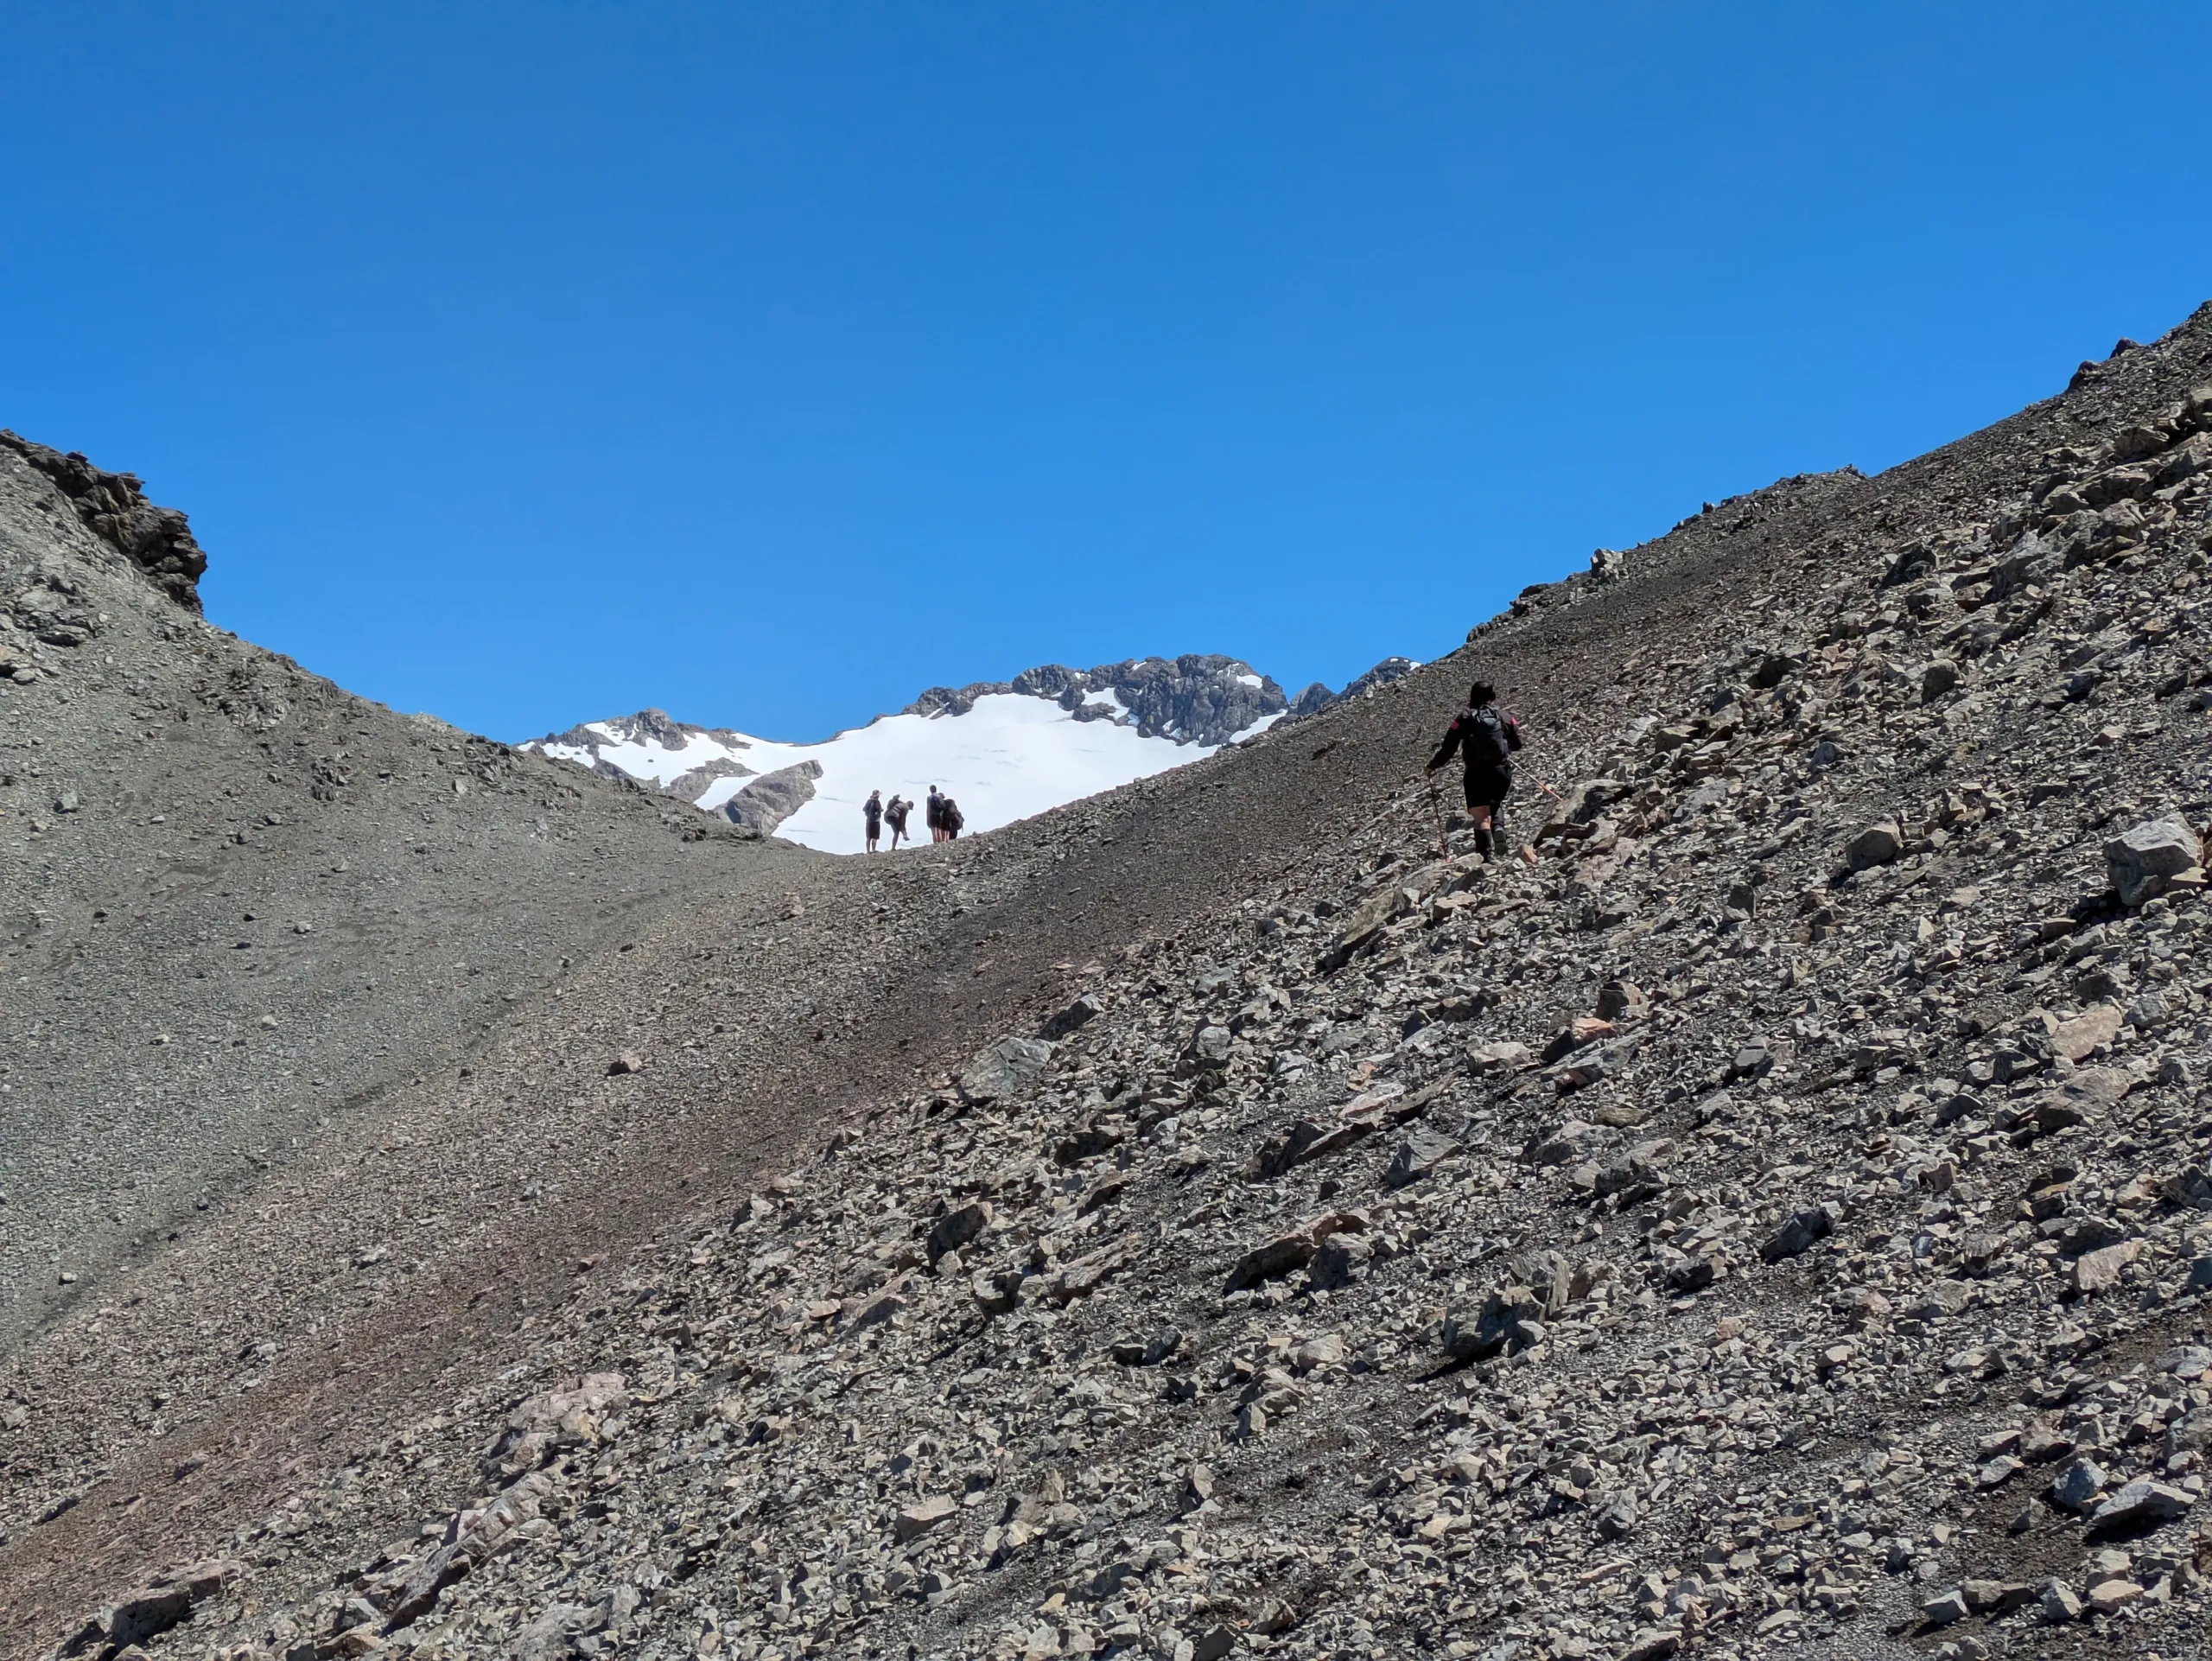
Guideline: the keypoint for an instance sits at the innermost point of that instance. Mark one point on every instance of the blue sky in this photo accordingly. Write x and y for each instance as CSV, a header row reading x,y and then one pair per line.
x,y
769,363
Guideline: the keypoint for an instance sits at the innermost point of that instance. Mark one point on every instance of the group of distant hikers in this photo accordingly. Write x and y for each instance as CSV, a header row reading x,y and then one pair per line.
x,y
941,813
1482,735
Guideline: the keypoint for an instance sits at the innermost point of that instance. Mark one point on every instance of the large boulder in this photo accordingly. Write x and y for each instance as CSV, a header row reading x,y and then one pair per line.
x,y
1801,1233
1512,1315
1076,1014
957,1229
149,1610
1287,1253
2144,861
1278,1257
1007,1068
2142,1501
1877,845
1366,923
1417,1155
472,1539
918,1519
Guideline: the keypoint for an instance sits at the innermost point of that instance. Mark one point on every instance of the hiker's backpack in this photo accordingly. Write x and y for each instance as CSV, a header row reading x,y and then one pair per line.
x,y
950,813
1482,739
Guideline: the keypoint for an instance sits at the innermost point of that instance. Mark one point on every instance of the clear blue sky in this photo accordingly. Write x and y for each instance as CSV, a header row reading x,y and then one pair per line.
x,y
769,363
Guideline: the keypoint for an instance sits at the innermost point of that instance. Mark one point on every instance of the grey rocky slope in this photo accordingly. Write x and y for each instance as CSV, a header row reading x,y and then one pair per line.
x,y
354,1113
1767,1222
240,903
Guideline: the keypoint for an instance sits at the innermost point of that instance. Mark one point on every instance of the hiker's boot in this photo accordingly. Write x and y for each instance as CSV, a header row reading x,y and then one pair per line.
x,y
1483,844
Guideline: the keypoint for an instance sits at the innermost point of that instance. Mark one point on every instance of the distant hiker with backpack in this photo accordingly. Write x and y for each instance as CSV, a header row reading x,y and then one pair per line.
x,y
1485,738
871,812
949,815
894,815
933,815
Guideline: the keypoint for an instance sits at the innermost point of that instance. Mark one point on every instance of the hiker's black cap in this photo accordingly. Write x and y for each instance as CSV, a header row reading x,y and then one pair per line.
x,y
1481,692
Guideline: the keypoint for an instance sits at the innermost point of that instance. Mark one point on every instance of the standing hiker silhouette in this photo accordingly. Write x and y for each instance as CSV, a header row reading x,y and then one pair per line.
x,y
1485,738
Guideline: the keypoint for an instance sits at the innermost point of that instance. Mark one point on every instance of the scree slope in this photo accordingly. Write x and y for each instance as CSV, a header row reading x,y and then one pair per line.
x,y
1211,1219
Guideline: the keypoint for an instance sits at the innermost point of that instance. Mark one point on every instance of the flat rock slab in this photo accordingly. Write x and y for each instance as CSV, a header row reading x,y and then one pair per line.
x,y
1007,1068
2141,1502
1417,1155
917,1520
2078,1039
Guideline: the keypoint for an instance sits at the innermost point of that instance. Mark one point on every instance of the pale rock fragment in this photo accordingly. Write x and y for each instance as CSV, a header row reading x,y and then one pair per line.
x,y
916,1520
2144,860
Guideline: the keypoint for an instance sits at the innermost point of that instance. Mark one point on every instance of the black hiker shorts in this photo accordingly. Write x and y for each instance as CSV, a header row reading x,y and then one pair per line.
x,y
1489,786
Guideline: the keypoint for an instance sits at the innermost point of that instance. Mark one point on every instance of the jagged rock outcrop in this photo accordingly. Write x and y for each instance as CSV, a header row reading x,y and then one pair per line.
x,y
1383,673
690,786
1318,697
156,540
766,801
654,726
1201,698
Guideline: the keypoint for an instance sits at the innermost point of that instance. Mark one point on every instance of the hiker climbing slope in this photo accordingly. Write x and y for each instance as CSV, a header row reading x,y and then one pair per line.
x,y
894,815
1485,738
933,815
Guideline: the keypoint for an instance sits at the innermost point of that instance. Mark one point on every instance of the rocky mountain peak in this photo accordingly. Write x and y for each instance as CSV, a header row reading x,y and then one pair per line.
x,y
1202,698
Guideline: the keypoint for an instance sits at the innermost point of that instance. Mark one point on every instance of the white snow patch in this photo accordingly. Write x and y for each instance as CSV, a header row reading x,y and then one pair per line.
x,y
1252,681
1257,726
1007,759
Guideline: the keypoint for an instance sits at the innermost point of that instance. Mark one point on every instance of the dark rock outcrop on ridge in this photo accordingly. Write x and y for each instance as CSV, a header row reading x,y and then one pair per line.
x,y
1199,698
772,798
157,540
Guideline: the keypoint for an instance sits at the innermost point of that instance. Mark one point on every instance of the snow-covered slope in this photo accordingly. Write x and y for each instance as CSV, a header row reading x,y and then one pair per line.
x,y
1003,750
1007,757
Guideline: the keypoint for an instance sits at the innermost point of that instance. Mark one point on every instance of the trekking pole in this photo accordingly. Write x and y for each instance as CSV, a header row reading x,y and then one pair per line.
x,y
1443,837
